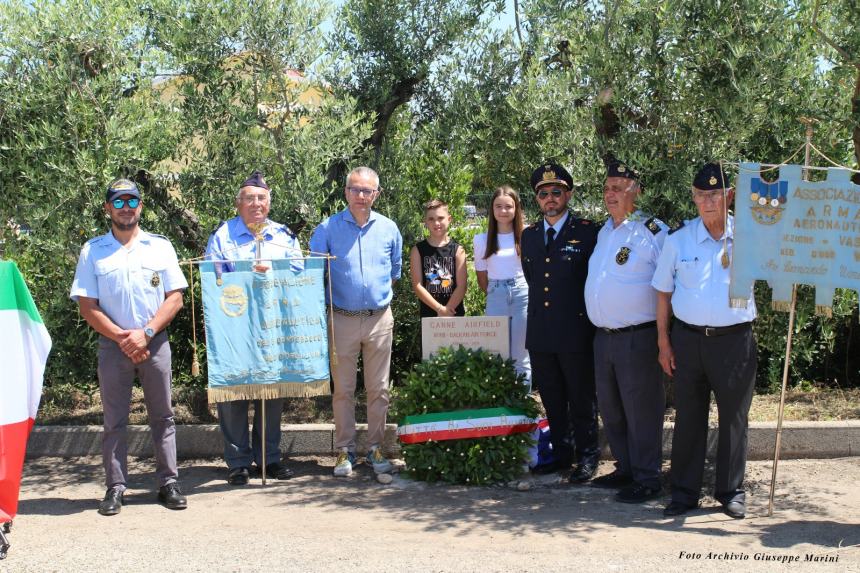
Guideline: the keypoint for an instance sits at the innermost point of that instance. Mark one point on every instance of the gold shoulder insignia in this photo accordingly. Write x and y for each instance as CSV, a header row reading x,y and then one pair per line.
x,y
651,225
679,227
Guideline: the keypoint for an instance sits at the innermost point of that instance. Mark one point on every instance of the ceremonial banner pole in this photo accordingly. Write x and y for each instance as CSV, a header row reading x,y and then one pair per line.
x,y
257,229
808,122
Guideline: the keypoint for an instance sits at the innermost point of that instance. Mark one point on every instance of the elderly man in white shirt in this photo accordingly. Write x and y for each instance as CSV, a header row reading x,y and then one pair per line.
x,y
623,306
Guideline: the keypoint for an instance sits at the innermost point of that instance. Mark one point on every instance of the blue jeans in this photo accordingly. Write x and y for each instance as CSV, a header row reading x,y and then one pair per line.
x,y
239,451
510,297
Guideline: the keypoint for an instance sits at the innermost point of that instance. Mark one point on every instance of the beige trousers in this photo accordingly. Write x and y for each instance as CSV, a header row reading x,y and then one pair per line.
x,y
371,336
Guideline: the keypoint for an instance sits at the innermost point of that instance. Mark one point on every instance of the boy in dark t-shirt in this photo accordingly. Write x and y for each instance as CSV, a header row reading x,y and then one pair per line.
x,y
438,266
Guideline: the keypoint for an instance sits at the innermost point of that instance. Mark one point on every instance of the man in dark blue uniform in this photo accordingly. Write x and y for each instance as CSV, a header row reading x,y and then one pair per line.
x,y
559,336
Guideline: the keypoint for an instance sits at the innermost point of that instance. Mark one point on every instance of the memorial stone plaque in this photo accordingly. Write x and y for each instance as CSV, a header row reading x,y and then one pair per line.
x,y
488,332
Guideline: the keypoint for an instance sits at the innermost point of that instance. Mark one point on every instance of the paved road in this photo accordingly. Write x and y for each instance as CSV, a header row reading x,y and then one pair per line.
x,y
318,523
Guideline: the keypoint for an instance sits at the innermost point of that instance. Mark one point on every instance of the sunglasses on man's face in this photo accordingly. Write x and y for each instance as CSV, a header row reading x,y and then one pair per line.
x,y
120,203
543,193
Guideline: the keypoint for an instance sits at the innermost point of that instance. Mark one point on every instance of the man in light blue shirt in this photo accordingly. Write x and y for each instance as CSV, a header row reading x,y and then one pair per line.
x,y
367,248
711,348
232,241
128,286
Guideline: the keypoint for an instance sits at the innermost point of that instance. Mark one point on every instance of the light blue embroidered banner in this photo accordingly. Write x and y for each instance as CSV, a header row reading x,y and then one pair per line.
x,y
266,333
791,231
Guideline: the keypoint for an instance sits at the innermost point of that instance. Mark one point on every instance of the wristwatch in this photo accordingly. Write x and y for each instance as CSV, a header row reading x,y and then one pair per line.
x,y
149,332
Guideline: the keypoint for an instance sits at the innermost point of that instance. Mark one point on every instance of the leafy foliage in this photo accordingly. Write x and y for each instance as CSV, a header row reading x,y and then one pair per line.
x,y
464,379
187,96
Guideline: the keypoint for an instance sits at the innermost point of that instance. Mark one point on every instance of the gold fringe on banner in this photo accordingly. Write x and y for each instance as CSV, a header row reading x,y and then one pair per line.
x,y
738,303
270,391
823,310
781,305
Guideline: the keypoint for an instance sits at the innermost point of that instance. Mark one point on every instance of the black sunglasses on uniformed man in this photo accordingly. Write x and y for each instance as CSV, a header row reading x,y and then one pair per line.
x,y
132,203
543,194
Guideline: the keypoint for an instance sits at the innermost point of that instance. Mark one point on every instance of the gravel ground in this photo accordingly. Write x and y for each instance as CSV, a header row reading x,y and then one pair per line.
x,y
315,522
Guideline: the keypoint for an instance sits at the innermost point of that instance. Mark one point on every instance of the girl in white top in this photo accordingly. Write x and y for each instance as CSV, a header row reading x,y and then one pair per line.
x,y
500,273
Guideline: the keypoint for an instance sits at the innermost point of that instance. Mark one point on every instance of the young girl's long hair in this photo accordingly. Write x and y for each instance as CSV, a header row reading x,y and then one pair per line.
x,y
492,226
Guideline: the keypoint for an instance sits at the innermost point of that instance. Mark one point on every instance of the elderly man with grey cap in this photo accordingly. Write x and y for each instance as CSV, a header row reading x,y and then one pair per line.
x,y
128,286
234,240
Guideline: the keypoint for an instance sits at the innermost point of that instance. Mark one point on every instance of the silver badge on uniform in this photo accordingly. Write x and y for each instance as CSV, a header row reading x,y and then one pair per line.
x,y
155,280
622,255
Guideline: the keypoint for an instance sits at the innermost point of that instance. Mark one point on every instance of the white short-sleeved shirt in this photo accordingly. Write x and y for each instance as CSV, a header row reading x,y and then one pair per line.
x,y
504,264
129,283
618,290
690,267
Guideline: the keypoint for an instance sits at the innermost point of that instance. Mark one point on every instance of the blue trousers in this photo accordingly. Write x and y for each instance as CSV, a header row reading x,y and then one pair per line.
x,y
510,297
240,449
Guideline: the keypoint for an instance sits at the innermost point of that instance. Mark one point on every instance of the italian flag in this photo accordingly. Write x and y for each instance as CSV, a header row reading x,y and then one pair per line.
x,y
24,348
480,423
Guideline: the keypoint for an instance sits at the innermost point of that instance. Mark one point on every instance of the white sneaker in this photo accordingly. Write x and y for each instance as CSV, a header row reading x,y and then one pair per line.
x,y
378,461
343,466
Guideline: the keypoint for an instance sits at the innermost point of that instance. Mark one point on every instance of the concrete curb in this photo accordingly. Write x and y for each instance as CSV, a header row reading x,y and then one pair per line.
x,y
799,440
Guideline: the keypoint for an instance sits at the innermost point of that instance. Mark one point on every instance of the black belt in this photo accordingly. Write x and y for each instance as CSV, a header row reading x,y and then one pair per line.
x,y
367,312
640,326
715,330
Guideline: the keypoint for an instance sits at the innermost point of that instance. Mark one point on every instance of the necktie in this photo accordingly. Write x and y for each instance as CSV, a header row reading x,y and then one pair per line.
x,y
550,235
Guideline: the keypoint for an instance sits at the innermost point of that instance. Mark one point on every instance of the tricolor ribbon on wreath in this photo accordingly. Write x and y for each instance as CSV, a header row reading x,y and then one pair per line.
x,y
461,424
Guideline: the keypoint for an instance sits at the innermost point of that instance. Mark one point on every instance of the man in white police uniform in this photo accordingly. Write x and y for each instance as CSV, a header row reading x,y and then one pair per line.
x,y
623,306
711,348
128,286
231,241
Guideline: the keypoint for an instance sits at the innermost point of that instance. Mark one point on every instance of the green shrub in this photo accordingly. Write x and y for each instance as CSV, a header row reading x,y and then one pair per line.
x,y
464,379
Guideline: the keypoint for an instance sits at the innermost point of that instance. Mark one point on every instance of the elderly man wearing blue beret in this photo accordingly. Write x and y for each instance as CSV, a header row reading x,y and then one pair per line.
x,y
235,240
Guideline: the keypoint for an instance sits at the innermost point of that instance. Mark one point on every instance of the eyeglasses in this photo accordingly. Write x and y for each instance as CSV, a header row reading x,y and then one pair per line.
x,y
543,194
120,203
360,191
702,196
249,199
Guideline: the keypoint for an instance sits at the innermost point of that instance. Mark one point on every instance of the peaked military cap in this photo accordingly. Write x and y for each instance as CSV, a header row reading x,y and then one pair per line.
x,y
255,180
120,187
551,173
616,168
710,177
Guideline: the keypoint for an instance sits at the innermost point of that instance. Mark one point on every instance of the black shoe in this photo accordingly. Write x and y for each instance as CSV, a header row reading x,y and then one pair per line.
x,y
582,473
637,493
735,509
676,508
171,496
112,503
276,471
613,481
238,476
